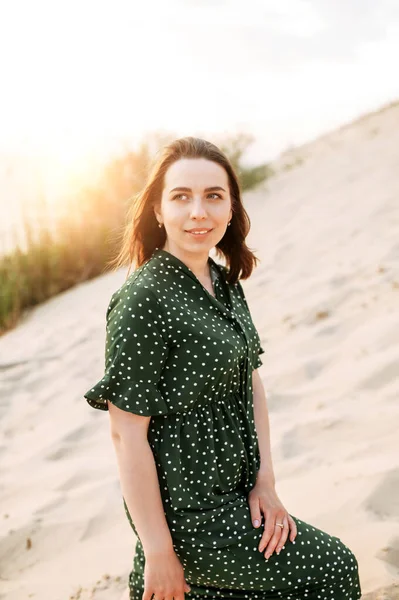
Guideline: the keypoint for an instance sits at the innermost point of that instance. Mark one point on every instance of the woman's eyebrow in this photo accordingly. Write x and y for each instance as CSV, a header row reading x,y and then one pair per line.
x,y
208,189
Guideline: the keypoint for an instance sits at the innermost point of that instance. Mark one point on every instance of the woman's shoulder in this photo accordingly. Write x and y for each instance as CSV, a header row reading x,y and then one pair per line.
x,y
225,272
140,286
222,269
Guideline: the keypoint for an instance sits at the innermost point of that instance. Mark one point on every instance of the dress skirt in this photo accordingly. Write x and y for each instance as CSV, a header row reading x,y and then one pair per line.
x,y
315,566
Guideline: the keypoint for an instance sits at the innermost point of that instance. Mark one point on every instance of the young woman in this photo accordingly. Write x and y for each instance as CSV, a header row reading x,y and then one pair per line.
x,y
188,411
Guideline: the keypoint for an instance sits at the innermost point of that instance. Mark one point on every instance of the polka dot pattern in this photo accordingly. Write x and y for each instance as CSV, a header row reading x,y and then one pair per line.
x,y
185,357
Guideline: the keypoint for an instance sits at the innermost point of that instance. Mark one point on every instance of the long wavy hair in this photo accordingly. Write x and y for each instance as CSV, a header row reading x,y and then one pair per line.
x,y
142,234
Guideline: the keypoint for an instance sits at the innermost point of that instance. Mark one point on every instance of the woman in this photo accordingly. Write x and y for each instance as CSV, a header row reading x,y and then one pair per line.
x,y
187,407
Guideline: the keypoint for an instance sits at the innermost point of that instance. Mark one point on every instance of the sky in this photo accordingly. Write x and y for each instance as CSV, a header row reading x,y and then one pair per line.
x,y
81,78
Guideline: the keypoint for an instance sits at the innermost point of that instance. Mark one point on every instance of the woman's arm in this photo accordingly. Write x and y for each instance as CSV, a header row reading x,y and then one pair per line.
x,y
139,479
263,498
262,426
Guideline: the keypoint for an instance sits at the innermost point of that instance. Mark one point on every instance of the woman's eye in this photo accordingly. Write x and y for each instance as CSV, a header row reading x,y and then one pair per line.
x,y
178,196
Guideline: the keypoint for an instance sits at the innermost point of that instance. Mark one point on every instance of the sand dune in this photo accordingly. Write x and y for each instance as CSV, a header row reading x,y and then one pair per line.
x,y
325,299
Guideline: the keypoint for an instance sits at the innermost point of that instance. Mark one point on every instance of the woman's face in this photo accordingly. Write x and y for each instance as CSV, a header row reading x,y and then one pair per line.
x,y
194,207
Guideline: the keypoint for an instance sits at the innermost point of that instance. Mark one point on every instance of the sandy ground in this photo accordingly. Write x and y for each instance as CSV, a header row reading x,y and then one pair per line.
x,y
325,298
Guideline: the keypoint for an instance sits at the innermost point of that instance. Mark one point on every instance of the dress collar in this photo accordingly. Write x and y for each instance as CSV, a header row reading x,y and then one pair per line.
x,y
179,264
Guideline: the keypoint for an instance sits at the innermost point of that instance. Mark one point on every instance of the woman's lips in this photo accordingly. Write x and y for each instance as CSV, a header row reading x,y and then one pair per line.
x,y
199,234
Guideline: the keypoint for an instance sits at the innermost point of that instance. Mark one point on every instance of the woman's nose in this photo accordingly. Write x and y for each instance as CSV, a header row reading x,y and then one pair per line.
x,y
198,208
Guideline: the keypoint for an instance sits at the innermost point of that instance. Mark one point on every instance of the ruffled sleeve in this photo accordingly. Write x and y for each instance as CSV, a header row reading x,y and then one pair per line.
x,y
257,361
135,354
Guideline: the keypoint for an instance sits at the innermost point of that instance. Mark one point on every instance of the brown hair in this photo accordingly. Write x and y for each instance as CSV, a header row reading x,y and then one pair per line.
x,y
142,234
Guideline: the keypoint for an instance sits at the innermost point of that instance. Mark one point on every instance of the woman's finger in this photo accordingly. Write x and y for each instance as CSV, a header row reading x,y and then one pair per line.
x,y
293,527
284,535
274,539
268,531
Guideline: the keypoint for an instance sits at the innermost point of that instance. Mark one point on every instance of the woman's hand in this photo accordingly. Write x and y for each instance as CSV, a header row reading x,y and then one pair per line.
x,y
164,577
263,499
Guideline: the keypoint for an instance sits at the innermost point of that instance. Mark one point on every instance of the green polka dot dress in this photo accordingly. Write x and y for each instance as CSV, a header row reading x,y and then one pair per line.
x,y
184,357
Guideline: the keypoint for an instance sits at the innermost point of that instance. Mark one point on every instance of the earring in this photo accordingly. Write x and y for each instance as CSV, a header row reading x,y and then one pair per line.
x,y
159,224
228,223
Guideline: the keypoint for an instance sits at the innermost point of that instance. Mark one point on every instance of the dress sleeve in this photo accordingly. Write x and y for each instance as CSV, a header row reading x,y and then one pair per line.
x,y
135,353
258,347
